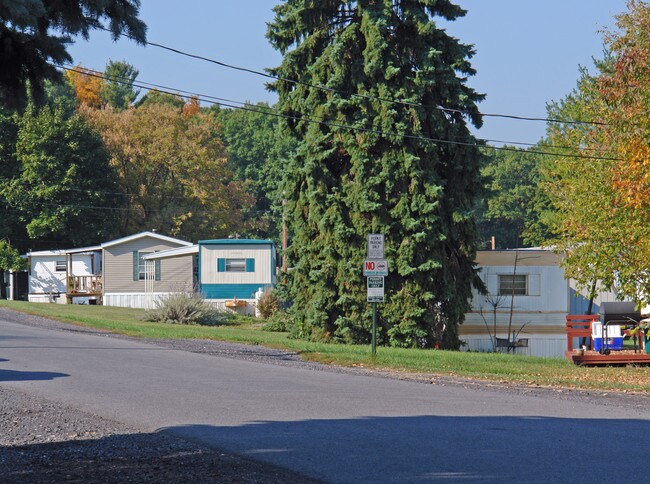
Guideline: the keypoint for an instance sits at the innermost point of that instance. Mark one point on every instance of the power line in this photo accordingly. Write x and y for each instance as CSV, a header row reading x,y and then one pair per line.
x,y
352,94
124,80
137,209
271,112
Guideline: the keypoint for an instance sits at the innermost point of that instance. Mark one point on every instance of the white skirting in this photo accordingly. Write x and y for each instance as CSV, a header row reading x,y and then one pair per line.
x,y
45,298
60,299
134,300
546,345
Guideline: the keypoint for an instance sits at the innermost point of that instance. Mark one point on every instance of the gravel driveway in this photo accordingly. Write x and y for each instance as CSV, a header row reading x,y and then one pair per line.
x,y
45,442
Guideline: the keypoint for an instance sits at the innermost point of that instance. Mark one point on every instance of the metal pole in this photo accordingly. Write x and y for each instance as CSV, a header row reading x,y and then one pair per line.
x,y
374,329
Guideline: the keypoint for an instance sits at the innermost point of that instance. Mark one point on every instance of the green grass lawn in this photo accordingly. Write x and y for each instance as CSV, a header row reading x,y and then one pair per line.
x,y
489,366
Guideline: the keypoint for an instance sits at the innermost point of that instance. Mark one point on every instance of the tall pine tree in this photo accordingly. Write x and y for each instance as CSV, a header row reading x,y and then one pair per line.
x,y
381,176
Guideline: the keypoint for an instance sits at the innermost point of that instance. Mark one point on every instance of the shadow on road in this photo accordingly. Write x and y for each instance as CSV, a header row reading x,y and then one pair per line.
x,y
13,375
390,449
139,458
437,448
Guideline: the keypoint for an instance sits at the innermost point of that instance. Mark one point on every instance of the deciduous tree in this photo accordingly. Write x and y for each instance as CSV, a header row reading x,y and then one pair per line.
x,y
257,153
87,86
625,90
63,188
513,210
603,213
173,171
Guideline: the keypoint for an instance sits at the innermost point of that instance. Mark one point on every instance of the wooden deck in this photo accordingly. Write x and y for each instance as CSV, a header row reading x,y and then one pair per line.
x,y
84,286
615,358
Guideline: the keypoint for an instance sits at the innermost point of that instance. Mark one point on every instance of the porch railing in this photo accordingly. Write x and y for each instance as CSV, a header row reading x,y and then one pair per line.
x,y
84,284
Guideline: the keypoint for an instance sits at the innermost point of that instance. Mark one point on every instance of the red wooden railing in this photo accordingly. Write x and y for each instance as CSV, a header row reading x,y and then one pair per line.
x,y
579,326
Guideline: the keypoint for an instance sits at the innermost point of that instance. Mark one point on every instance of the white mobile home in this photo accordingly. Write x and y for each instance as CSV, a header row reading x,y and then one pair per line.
x,y
526,293
113,273
48,272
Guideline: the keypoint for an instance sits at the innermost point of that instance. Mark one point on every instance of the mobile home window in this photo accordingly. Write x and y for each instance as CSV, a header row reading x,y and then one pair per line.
x,y
513,284
142,267
235,265
60,266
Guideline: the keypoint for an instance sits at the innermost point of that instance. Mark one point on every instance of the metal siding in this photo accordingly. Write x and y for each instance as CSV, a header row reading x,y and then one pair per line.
x,y
601,297
211,253
538,345
537,258
118,268
552,289
534,287
230,291
45,277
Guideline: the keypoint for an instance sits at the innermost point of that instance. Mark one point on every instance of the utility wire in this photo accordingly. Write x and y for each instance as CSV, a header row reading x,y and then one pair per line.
x,y
136,209
124,80
351,94
270,112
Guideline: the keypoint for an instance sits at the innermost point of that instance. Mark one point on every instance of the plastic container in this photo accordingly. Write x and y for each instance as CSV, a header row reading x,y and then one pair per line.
x,y
614,336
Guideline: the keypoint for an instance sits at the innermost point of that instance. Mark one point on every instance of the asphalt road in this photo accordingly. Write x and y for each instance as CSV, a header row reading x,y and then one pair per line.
x,y
332,426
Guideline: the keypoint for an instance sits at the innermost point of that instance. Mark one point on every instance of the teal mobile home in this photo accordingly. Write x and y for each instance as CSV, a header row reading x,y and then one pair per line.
x,y
233,271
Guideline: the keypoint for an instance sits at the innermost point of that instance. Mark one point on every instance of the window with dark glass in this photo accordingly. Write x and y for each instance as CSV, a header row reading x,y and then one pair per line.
x,y
235,265
510,284
142,267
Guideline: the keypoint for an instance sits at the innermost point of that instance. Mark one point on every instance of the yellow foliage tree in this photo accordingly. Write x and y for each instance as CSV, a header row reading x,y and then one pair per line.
x,y
87,86
191,106
173,170
625,89
603,208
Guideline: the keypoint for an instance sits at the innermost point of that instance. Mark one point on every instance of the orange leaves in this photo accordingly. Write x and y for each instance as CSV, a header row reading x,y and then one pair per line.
x,y
87,86
191,106
626,91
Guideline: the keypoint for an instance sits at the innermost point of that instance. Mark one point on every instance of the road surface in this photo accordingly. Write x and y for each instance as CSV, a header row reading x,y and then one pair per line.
x,y
328,425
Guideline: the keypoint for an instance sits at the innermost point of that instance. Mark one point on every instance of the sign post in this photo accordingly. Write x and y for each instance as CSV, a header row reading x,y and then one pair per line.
x,y
375,295
375,268
374,329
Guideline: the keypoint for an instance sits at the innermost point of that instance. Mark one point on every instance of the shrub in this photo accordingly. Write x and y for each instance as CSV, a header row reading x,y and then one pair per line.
x,y
278,321
268,303
185,308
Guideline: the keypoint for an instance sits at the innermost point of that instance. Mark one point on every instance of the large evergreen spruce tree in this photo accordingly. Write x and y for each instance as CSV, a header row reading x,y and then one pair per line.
x,y
381,177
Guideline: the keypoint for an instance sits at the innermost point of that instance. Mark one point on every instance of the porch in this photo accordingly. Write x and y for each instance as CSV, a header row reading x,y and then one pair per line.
x,y
580,326
84,286
89,285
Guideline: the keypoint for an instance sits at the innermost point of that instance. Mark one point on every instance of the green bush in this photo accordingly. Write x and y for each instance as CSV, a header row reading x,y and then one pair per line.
x,y
185,308
278,321
268,304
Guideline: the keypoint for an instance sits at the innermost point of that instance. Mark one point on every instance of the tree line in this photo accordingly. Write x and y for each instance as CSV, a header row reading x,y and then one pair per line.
x,y
351,150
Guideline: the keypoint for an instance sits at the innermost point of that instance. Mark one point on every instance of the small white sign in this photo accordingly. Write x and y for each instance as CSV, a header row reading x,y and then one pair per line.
x,y
375,267
376,289
375,246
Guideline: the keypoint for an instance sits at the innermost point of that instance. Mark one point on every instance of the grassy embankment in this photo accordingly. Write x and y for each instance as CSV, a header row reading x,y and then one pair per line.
x,y
488,366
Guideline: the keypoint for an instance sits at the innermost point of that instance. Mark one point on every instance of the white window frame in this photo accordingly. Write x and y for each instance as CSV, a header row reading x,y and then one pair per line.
x,y
142,265
60,266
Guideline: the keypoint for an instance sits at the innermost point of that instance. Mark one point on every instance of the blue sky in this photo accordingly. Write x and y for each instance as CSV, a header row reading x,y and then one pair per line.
x,y
528,51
